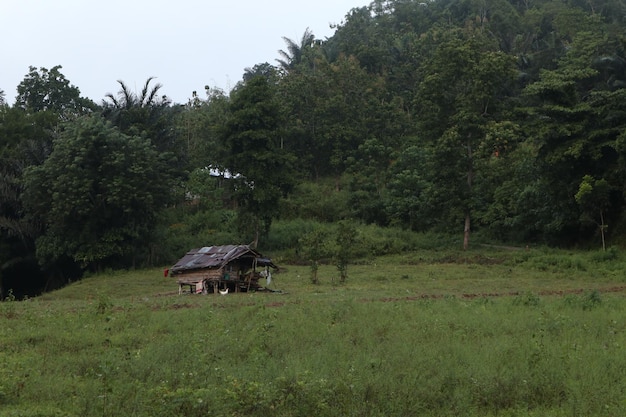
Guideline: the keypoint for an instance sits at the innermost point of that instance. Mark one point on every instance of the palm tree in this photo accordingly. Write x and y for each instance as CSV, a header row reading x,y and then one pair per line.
x,y
127,99
295,52
146,113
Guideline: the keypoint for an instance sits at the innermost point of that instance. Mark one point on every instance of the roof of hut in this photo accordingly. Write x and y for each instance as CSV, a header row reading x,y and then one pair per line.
x,y
217,257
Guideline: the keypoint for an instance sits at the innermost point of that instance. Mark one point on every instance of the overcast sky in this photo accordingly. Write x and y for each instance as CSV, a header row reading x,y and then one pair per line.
x,y
186,44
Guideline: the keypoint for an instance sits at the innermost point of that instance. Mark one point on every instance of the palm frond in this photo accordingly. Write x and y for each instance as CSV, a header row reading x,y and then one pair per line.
x,y
150,99
146,99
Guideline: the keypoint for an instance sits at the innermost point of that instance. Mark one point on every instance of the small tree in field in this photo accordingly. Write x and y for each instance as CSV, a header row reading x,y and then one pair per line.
x,y
593,199
315,247
345,240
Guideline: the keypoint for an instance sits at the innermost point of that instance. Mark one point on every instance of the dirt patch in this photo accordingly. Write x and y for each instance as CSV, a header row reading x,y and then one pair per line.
x,y
176,306
503,294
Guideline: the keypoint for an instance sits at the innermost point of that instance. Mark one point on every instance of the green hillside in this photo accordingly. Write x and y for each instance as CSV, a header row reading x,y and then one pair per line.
x,y
493,121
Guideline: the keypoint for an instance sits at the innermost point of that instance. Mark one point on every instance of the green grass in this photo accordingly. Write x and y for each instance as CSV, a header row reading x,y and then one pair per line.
x,y
485,333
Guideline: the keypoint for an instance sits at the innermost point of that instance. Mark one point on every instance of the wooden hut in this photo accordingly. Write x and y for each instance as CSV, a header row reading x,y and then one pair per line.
x,y
228,268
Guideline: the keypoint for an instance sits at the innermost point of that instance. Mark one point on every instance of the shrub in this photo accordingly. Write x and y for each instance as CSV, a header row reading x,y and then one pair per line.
x,y
527,299
34,411
286,235
592,300
318,201
611,254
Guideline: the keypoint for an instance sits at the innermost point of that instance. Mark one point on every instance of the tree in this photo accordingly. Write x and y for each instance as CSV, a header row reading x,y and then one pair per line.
x,y
252,136
345,240
261,70
333,110
147,113
593,197
365,36
199,127
574,113
464,86
97,195
406,203
45,89
315,248
295,53
127,99
25,140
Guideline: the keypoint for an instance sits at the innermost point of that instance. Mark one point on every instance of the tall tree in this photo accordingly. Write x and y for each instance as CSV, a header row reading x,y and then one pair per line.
x,y
406,202
261,70
25,140
199,127
366,35
296,52
254,153
464,85
593,196
45,89
96,195
145,113
575,114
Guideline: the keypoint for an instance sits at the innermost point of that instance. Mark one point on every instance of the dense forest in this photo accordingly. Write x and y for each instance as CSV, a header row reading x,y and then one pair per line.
x,y
501,117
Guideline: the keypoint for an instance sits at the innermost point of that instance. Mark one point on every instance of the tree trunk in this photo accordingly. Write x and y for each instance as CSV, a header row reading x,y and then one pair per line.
x,y
466,231
602,227
255,242
470,177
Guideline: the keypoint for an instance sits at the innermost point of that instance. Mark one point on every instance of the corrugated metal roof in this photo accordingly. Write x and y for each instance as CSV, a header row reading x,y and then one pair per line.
x,y
216,257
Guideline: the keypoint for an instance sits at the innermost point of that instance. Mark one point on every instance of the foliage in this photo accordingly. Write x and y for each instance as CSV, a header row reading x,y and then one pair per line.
x,y
25,140
319,200
295,52
593,196
345,239
315,248
198,129
262,168
45,89
464,86
96,195
146,114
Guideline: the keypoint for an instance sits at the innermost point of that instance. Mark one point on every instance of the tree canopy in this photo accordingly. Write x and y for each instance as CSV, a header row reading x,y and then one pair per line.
x,y
96,195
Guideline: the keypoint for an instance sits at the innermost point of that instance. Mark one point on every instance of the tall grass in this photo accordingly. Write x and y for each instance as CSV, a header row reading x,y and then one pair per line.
x,y
398,339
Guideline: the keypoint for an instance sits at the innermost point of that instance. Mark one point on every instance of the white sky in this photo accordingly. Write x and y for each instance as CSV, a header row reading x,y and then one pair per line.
x,y
186,44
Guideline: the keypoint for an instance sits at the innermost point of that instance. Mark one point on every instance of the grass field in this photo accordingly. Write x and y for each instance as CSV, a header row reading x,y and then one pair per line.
x,y
491,332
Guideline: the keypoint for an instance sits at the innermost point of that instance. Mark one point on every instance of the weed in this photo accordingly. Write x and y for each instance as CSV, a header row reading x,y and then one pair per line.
x,y
611,254
104,304
8,306
527,299
592,300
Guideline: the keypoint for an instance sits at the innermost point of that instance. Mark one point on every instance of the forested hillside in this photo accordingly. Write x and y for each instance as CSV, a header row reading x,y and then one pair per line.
x,y
447,116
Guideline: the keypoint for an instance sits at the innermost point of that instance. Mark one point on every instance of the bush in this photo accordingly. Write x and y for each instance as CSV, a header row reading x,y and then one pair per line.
x,y
34,411
319,201
186,227
611,254
285,235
